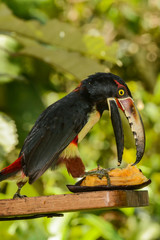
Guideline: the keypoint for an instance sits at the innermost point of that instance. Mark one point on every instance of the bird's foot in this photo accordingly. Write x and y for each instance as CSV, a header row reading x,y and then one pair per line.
x,y
101,173
18,195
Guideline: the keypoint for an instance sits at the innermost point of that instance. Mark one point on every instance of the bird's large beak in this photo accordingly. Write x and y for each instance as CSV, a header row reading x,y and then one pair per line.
x,y
129,109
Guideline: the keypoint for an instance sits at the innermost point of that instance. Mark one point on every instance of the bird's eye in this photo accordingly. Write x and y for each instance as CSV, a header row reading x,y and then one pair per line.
x,y
121,92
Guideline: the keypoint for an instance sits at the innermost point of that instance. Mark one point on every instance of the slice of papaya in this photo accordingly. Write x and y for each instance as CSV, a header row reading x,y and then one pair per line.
x,y
129,178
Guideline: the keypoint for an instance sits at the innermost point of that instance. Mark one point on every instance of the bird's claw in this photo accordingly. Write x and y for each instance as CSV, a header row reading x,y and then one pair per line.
x,y
17,195
100,173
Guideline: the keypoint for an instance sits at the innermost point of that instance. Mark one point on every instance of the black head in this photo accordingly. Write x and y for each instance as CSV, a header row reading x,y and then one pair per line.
x,y
101,86
107,91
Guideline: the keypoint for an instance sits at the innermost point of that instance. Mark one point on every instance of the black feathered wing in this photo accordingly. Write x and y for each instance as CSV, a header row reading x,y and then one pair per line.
x,y
56,127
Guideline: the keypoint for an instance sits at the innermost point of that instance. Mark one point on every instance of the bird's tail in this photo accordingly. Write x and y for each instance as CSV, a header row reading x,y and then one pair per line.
x,y
11,170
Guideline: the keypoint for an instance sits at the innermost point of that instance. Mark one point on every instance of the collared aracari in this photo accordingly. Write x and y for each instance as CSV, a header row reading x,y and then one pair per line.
x,y
55,136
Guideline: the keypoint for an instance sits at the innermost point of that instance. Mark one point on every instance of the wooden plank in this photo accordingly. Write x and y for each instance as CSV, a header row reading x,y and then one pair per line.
x,y
72,202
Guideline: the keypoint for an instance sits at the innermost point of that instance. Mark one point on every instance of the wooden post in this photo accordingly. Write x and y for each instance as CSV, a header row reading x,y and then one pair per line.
x,y
55,204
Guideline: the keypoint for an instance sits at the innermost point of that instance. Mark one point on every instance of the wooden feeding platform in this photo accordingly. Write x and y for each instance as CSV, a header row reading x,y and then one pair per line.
x,y
56,205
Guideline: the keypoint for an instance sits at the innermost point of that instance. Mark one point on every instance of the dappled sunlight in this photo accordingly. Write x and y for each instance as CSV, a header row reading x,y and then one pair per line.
x,y
8,135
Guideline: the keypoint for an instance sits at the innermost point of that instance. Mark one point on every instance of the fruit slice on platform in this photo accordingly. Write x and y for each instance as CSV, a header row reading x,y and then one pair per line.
x,y
129,178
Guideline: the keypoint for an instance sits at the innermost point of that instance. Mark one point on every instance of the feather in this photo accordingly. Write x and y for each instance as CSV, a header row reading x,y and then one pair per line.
x,y
56,127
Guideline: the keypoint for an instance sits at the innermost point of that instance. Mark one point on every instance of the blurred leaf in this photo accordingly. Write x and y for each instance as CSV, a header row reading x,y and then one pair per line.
x,y
106,228
92,234
53,32
103,5
97,47
36,9
61,59
8,70
63,35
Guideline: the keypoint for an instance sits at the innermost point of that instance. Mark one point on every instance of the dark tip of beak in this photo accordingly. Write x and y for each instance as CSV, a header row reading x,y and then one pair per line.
x,y
117,127
138,158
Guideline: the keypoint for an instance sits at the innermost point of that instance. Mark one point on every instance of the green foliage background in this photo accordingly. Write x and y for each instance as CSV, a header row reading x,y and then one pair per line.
x,y
46,48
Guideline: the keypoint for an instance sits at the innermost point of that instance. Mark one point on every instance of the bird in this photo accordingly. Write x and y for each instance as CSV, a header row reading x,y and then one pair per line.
x,y
55,136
